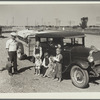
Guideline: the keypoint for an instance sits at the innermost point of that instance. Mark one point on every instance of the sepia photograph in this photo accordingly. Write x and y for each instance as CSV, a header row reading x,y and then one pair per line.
x,y
50,47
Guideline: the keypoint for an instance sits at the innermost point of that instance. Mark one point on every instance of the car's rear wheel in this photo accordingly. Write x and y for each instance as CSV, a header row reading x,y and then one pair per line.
x,y
79,76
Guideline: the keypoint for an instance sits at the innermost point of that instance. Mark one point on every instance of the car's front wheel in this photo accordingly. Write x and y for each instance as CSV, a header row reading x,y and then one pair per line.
x,y
79,76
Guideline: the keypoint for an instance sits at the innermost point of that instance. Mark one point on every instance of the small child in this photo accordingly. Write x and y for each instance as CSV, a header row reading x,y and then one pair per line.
x,y
45,63
51,68
59,60
38,63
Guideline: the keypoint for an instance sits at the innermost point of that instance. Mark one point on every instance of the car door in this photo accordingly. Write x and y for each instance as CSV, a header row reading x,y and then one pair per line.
x,y
67,47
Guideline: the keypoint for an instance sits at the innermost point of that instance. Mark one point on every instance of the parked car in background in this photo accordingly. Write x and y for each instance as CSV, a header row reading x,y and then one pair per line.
x,y
82,62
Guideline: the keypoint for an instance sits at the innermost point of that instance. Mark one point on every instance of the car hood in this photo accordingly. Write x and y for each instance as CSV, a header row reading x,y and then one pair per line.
x,y
80,52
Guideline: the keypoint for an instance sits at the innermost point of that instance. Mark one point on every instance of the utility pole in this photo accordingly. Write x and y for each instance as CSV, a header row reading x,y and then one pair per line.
x,y
7,22
70,23
35,23
27,21
42,21
48,23
98,20
59,22
56,19
13,21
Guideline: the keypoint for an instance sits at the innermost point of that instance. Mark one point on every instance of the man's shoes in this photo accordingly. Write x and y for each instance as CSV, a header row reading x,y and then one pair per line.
x,y
15,72
10,74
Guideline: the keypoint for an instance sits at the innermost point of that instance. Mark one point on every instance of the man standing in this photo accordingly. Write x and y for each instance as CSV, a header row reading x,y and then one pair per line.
x,y
12,46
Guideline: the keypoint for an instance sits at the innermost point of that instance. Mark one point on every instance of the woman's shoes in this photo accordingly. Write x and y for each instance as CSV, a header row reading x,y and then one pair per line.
x,y
59,80
44,76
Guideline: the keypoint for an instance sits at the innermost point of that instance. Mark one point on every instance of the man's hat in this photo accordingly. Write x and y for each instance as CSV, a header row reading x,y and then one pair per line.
x,y
13,34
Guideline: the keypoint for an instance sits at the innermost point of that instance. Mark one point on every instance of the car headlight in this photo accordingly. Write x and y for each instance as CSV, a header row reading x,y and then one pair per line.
x,y
90,59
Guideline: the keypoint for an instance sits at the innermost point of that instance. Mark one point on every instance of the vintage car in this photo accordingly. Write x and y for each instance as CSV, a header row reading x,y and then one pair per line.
x,y
80,61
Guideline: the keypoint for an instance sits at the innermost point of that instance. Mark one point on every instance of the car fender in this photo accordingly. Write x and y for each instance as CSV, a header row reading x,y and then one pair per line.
x,y
83,64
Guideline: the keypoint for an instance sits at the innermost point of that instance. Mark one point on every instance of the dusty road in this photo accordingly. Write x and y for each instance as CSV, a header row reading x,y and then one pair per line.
x,y
27,82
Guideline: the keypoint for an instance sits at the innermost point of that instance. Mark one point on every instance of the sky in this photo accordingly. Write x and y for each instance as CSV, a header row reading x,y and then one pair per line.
x,y
47,14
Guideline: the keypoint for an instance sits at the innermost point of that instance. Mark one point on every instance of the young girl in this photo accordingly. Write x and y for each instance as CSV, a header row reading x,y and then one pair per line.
x,y
51,68
38,63
58,60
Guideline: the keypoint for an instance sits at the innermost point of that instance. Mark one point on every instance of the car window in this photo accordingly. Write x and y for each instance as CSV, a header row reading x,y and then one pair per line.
x,y
66,41
43,40
78,40
50,39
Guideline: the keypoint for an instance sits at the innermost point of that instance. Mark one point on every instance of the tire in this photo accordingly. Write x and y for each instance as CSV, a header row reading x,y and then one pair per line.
x,y
79,77
20,51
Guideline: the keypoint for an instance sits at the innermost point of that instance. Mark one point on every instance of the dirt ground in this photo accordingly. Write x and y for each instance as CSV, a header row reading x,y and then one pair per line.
x,y
27,82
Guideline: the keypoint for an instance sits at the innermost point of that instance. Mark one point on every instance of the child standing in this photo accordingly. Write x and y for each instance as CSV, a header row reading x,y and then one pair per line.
x,y
58,61
45,62
38,63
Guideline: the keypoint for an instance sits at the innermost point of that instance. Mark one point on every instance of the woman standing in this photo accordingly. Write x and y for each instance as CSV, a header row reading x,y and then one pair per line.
x,y
37,50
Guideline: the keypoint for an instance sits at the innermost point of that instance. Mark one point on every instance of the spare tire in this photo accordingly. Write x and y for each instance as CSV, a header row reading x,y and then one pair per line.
x,y
20,51
21,56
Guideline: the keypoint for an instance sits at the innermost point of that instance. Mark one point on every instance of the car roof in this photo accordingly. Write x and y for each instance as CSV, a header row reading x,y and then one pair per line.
x,y
60,34
50,34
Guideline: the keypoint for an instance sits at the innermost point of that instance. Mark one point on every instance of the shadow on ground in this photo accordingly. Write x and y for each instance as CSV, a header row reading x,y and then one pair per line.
x,y
30,59
94,79
24,69
66,76
3,37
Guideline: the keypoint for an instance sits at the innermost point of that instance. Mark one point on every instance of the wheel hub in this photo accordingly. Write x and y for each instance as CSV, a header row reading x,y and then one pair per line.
x,y
78,76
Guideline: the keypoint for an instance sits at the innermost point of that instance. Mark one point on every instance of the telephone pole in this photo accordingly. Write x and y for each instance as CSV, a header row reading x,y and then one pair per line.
x,y
27,21
56,19
12,21
7,22
42,21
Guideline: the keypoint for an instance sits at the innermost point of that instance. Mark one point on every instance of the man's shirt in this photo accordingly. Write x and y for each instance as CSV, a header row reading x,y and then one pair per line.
x,y
11,45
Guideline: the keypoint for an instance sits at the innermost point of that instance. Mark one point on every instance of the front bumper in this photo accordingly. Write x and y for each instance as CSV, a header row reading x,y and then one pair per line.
x,y
96,68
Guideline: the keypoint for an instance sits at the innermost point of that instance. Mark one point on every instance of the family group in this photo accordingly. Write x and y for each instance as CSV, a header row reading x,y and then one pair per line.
x,y
51,66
